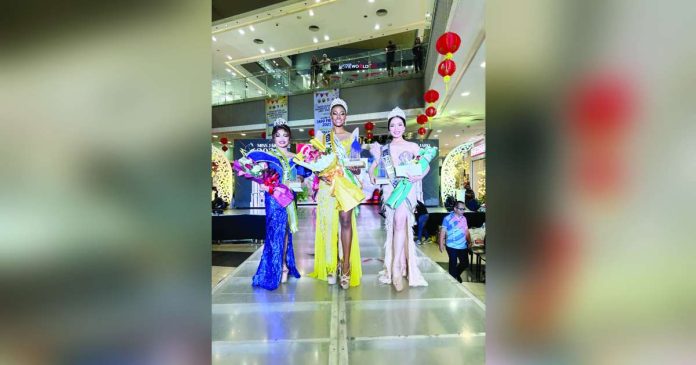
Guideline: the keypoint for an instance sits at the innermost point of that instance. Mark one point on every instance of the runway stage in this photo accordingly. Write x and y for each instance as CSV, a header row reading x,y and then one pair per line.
x,y
306,321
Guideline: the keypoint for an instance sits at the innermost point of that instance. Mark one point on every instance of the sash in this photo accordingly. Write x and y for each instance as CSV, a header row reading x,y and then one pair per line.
x,y
388,164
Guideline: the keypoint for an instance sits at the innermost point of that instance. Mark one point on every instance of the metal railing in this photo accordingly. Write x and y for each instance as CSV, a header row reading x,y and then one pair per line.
x,y
353,70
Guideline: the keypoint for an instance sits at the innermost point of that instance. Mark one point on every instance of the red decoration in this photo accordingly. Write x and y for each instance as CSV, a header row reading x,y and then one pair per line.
x,y
224,140
446,68
430,111
263,134
311,132
421,131
448,43
422,119
369,126
431,96
224,148
369,135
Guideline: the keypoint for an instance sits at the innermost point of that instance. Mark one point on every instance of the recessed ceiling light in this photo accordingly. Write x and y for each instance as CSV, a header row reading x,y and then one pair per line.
x,y
427,15
437,135
262,50
244,134
315,40
456,135
466,93
301,129
311,12
229,57
233,74
241,31
272,50
260,92
251,28
371,1
214,136
214,39
316,1
228,70
326,37
439,131
446,144
483,64
376,26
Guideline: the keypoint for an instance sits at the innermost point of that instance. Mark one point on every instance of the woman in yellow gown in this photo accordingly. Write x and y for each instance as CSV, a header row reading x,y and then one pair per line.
x,y
328,216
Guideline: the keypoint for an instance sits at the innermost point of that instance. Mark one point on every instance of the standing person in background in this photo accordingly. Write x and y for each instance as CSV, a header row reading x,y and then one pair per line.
x,y
422,218
455,236
391,48
314,72
325,64
417,55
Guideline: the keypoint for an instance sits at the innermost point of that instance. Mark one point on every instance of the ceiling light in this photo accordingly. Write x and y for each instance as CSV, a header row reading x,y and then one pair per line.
x,y
437,135
326,37
466,93
229,57
301,129
228,70
483,64
214,39
456,135
311,12
376,26
316,1
262,50
260,92
370,1
244,134
427,15
214,136
241,31
446,144
439,131
315,40
272,50
251,28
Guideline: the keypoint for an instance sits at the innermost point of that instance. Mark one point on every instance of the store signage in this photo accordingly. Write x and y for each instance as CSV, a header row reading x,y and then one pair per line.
x,y
353,66
478,150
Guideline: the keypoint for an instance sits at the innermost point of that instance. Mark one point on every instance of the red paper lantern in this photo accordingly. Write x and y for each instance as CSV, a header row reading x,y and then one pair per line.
x,y
422,119
421,131
263,134
369,135
430,111
431,96
448,43
369,126
224,148
311,132
446,68
224,140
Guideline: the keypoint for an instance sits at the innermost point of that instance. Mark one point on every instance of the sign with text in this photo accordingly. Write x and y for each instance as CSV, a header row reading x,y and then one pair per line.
x,y
322,102
478,150
276,107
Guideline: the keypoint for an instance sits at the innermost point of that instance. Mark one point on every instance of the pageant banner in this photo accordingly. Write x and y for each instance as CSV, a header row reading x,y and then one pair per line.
x,y
322,102
431,182
276,107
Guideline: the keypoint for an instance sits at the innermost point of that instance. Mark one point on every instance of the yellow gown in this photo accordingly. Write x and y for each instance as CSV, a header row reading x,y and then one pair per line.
x,y
326,240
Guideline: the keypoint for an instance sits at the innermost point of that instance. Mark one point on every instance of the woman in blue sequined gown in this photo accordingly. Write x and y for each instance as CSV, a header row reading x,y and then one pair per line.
x,y
278,258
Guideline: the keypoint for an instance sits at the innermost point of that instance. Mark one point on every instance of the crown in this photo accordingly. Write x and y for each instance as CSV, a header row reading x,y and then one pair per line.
x,y
396,113
280,121
339,101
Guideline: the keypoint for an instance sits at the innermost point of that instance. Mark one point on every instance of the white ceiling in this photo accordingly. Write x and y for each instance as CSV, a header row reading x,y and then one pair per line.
x,y
285,27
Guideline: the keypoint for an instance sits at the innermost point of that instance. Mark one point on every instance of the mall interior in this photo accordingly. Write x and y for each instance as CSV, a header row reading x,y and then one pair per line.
x,y
285,59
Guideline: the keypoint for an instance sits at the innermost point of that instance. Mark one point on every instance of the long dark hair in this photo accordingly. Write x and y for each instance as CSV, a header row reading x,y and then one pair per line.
x,y
278,127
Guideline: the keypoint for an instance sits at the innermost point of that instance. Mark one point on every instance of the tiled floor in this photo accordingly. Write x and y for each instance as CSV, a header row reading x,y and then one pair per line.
x,y
306,321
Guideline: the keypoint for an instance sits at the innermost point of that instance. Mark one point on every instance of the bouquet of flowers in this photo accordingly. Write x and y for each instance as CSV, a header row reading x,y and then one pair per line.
x,y
324,162
262,174
420,163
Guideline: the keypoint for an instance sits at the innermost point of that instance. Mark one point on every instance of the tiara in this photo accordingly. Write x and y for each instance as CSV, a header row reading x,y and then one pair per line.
x,y
396,113
339,101
280,121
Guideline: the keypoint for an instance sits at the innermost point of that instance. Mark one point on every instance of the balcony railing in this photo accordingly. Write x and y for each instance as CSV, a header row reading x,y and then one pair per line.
x,y
357,69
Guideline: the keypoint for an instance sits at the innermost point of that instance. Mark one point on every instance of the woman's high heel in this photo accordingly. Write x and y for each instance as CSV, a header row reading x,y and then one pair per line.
x,y
345,280
284,275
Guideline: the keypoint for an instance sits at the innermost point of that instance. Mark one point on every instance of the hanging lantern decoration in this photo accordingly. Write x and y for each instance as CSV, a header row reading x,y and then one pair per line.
x,y
446,69
422,119
369,135
369,126
311,132
447,44
263,134
224,148
431,96
224,140
430,111
422,131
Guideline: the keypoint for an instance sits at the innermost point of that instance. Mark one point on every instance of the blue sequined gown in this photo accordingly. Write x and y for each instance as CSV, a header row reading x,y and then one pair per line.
x,y
270,269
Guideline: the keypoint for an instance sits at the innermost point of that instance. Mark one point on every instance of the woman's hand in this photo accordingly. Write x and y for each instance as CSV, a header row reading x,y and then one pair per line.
x,y
354,170
263,187
324,179
373,180
414,178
